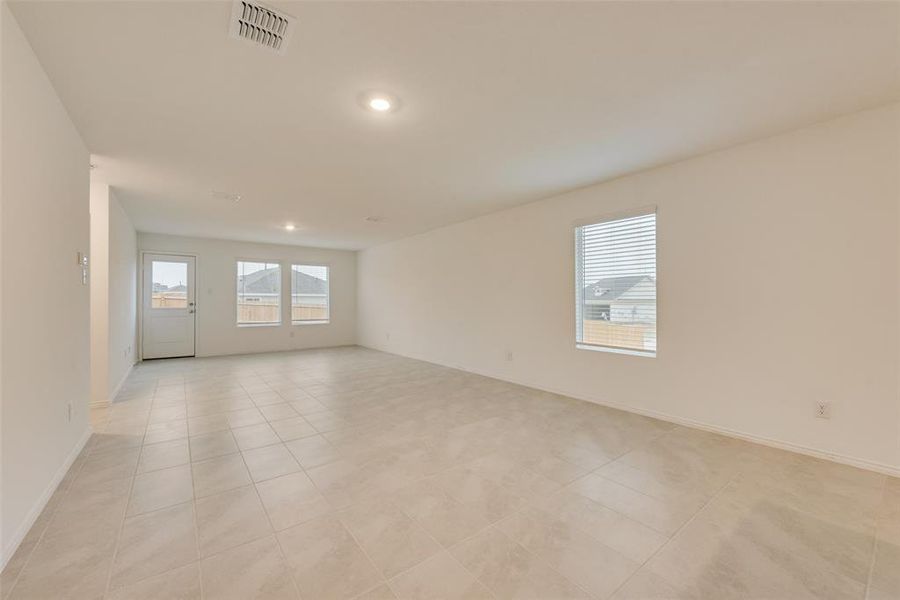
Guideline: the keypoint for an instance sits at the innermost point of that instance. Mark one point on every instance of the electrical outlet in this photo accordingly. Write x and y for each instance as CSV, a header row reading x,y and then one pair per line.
x,y
823,410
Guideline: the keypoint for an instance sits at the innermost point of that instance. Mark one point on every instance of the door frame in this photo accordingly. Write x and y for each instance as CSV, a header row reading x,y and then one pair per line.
x,y
140,298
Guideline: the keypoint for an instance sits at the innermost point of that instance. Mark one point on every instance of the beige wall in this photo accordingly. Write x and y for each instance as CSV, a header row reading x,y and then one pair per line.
x,y
778,286
113,292
45,221
217,331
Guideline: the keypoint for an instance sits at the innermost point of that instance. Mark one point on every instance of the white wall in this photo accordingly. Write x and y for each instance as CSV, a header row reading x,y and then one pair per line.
x,y
99,283
122,303
113,293
217,331
778,286
45,314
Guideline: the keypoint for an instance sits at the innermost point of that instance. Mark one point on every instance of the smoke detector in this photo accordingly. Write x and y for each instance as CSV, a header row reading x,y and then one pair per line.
x,y
230,196
261,26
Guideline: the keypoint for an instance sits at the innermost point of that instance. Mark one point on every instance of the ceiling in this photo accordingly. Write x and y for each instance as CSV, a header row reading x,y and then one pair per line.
x,y
503,103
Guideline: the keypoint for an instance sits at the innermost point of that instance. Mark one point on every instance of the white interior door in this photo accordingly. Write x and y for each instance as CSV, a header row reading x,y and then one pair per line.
x,y
169,306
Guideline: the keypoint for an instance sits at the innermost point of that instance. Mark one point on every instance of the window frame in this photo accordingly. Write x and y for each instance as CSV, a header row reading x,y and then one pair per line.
x,y
301,322
237,315
186,293
579,278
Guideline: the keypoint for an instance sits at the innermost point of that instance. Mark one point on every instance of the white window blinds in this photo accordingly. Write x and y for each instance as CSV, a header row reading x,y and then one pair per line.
x,y
309,294
615,284
258,293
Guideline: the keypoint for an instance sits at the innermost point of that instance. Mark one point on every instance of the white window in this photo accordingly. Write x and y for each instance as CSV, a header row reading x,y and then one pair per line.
x,y
309,294
258,293
615,284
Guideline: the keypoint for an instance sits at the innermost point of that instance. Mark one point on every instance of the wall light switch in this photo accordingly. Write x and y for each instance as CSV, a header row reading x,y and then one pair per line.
x,y
83,263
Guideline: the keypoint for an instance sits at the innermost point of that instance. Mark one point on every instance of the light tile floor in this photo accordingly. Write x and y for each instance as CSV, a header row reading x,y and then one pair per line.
x,y
348,473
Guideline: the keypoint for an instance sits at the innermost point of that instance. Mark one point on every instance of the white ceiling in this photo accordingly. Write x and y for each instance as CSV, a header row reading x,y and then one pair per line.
x,y
503,103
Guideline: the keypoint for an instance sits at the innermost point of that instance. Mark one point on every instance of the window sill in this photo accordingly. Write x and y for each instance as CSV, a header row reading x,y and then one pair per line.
x,y
326,322
644,353
252,325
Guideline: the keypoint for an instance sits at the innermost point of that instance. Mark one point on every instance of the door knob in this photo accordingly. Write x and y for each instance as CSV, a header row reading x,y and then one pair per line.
x,y
191,311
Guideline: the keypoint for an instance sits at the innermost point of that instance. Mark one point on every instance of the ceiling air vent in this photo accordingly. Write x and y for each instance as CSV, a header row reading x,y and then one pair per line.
x,y
261,26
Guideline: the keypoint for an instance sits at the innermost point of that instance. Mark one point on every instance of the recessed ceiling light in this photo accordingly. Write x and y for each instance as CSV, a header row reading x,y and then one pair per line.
x,y
290,227
379,102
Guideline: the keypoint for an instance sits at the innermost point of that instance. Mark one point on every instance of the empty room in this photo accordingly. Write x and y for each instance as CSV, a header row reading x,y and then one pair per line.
x,y
487,300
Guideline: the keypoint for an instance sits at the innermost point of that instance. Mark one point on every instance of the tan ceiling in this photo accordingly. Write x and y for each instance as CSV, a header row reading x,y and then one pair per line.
x,y
503,103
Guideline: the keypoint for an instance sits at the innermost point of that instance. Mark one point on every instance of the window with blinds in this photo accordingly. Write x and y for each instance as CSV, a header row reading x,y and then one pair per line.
x,y
258,293
309,294
615,284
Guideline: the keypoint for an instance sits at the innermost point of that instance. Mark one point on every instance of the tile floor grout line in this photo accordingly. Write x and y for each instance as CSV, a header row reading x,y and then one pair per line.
x,y
590,535
442,547
194,512
536,555
198,560
286,563
274,532
615,510
875,538
558,491
347,529
467,570
49,522
693,517
489,525
121,528
642,493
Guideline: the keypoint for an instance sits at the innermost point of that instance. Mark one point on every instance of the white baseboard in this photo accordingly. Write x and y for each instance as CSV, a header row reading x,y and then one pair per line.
x,y
41,502
122,381
852,461
296,349
115,392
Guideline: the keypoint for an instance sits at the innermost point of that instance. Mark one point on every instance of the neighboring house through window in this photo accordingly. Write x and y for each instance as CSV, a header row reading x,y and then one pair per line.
x,y
258,293
615,274
309,294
